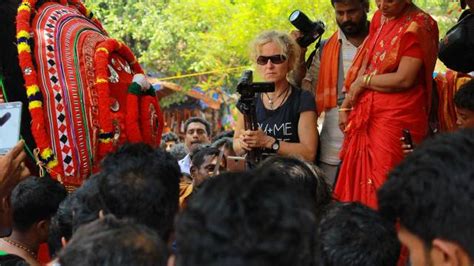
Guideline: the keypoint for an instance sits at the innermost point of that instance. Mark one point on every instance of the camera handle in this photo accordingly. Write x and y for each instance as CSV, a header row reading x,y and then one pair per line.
x,y
247,106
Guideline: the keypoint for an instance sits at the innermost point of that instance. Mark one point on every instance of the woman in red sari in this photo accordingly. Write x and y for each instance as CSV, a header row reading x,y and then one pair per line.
x,y
389,89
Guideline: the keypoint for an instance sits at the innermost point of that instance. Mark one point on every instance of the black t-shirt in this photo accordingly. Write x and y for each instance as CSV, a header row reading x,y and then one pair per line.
x,y
282,123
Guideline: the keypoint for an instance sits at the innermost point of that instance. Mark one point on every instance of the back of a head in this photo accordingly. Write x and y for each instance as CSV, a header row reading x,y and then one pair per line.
x,y
244,219
355,235
179,151
86,202
308,179
431,193
60,226
109,241
142,183
35,199
170,136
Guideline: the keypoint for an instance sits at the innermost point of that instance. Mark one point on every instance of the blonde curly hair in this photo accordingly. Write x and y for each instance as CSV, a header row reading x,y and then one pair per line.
x,y
288,46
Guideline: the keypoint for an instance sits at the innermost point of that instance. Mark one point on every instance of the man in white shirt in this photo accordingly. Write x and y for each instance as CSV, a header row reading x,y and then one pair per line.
x,y
197,131
335,55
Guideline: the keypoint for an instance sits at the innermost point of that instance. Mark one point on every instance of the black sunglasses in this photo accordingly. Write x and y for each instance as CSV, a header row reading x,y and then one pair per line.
x,y
275,59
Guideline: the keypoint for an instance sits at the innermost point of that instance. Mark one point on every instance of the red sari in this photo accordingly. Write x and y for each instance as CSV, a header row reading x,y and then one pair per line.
x,y
371,146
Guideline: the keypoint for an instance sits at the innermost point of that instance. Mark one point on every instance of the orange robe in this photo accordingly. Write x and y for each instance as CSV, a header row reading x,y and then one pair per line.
x,y
371,145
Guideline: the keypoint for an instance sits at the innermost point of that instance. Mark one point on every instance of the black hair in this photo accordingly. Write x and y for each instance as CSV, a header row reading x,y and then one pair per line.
x,y
223,134
241,219
309,180
140,182
431,192
110,241
196,119
464,97
353,234
86,202
363,2
60,226
170,136
35,199
199,154
223,142
179,151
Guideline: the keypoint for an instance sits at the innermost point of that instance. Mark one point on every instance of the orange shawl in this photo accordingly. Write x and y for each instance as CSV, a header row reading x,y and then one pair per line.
x,y
371,145
420,26
326,89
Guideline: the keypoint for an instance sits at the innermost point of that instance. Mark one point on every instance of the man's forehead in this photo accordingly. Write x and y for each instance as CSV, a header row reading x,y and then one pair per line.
x,y
348,5
196,125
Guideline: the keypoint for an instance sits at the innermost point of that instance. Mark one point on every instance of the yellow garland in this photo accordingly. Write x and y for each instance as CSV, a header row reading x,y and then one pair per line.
x,y
23,47
23,34
35,104
32,90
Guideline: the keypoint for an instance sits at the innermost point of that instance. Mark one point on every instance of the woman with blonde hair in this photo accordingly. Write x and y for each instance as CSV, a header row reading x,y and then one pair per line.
x,y
287,116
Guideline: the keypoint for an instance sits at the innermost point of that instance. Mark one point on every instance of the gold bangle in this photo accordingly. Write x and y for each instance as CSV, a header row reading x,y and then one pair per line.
x,y
369,79
366,77
344,109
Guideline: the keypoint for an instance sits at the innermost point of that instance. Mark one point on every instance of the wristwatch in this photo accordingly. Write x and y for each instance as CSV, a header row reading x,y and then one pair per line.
x,y
276,145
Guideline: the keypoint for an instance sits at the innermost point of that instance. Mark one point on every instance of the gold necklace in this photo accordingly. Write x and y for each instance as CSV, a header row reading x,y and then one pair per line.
x,y
18,245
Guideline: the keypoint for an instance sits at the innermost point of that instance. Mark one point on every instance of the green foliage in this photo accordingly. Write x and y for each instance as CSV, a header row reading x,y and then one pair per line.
x,y
179,37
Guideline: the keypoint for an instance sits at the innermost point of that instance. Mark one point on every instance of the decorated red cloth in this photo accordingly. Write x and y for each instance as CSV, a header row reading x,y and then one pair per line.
x,y
372,139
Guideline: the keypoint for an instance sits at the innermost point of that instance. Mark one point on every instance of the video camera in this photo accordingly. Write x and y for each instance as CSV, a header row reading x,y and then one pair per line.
x,y
247,106
247,88
311,30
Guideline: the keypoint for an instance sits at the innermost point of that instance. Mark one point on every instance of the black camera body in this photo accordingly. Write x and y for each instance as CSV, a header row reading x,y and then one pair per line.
x,y
247,106
311,30
247,88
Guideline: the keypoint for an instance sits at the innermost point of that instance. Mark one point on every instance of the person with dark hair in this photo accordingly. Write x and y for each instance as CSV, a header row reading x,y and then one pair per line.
x,y
142,183
87,202
206,162
307,177
110,241
225,144
197,131
60,227
286,118
33,201
431,194
223,134
178,151
464,102
352,234
168,140
245,219
326,73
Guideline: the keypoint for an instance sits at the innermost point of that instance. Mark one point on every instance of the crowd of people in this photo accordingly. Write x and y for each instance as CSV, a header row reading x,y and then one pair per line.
x,y
351,194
